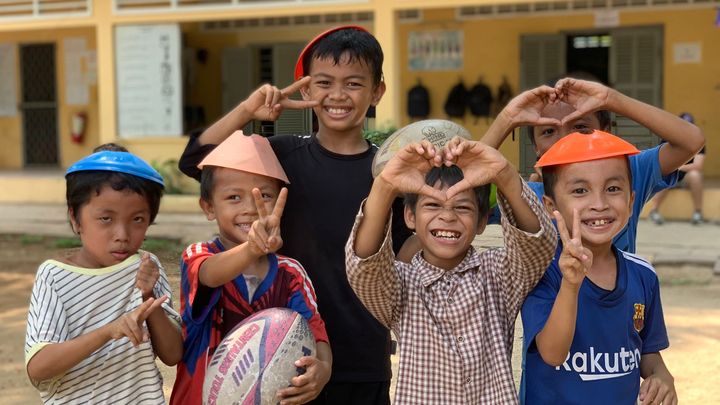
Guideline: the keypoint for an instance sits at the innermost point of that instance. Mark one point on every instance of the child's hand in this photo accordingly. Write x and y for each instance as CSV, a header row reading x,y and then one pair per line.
x,y
575,259
267,102
131,324
406,171
264,236
307,386
658,389
526,108
147,276
480,163
585,96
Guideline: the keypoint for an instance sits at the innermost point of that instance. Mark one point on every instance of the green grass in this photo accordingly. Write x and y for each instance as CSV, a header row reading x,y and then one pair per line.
x,y
31,239
66,243
155,245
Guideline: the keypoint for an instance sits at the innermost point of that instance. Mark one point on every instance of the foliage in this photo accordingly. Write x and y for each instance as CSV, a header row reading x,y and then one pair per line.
x,y
378,136
172,176
31,239
156,245
67,243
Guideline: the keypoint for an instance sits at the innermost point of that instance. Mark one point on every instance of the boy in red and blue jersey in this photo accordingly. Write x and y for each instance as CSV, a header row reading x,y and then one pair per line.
x,y
229,278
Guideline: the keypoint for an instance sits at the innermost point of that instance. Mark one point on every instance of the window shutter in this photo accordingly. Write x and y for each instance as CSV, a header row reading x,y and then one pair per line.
x,y
290,121
636,70
542,58
237,79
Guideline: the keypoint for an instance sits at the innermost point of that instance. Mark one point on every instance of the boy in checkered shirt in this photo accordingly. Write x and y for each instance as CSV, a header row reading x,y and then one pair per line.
x,y
452,308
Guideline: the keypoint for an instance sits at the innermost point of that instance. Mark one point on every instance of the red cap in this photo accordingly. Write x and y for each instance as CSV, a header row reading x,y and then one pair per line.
x,y
578,147
299,73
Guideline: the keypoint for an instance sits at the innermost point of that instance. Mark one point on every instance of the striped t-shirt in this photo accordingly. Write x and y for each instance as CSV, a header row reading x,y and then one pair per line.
x,y
68,302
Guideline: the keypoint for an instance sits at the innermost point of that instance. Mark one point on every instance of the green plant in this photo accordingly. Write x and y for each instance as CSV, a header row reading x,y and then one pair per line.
x,y
161,245
378,136
172,176
67,243
31,239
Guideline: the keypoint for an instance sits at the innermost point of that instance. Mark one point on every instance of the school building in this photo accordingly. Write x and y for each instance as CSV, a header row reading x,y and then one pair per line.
x,y
142,73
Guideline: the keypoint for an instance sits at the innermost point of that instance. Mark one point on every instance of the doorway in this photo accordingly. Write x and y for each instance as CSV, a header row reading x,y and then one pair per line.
x,y
39,105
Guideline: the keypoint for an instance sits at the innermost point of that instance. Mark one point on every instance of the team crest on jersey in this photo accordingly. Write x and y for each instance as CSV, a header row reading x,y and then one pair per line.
x,y
639,317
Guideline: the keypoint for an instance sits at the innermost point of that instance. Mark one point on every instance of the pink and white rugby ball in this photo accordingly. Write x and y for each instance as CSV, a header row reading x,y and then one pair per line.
x,y
257,358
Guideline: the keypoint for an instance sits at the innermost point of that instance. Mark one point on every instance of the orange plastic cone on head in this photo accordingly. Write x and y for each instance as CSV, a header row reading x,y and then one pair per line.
x,y
299,71
578,147
252,154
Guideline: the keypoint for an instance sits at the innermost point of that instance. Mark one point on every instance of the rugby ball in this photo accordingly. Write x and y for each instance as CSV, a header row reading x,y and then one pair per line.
x,y
438,132
257,358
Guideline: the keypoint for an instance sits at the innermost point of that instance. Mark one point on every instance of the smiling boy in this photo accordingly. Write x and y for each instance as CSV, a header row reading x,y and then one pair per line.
x,y
594,325
452,308
340,77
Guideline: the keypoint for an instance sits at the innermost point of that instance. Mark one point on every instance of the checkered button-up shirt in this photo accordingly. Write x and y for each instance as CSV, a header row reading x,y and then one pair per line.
x,y
455,328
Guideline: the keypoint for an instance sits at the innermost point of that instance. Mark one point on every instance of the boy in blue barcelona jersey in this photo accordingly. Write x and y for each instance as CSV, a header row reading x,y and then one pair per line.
x,y
574,105
593,325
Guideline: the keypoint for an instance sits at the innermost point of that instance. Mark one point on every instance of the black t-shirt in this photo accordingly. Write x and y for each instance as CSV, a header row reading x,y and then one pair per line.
x,y
324,196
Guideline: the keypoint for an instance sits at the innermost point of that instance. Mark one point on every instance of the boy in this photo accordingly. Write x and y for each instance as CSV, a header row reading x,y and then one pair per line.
x,y
100,315
453,309
237,274
594,324
330,174
578,105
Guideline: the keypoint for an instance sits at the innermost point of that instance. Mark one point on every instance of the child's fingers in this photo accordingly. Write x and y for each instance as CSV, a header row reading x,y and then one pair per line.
x,y
562,228
259,203
132,330
280,203
547,121
573,116
154,304
652,392
267,92
298,104
576,225
276,95
433,192
297,85
259,236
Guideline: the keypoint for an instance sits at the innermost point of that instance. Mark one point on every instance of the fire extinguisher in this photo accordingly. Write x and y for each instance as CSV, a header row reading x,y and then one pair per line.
x,y
77,129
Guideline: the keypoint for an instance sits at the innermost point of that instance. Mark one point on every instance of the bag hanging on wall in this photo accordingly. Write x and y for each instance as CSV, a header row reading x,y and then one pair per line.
x,y
418,102
456,101
480,100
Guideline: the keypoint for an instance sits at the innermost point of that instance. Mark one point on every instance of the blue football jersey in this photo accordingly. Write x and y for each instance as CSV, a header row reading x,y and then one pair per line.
x,y
613,330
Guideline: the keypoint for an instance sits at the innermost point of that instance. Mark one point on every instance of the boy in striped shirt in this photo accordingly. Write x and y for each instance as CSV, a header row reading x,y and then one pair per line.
x,y
227,279
99,315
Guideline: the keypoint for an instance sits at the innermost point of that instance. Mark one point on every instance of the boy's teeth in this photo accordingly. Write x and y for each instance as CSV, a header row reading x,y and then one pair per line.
x,y
598,222
337,110
446,234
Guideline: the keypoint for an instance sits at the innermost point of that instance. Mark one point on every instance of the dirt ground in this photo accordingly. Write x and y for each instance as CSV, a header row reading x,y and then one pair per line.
x,y
691,302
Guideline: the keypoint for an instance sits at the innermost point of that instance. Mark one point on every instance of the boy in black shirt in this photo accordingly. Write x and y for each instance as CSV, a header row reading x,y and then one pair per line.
x,y
330,174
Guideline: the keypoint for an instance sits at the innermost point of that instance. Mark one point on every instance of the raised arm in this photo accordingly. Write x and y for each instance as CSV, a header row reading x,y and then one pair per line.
x,y
554,339
684,139
263,238
264,104
524,109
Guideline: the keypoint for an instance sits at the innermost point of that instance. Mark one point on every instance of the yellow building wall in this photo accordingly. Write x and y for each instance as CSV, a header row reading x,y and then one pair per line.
x,y
492,51
11,155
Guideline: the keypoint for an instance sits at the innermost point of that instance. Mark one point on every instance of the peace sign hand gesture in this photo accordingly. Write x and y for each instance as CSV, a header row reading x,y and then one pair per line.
x,y
267,102
575,259
264,236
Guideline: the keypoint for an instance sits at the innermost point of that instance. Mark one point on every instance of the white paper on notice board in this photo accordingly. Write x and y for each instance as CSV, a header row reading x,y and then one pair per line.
x,y
149,99
8,90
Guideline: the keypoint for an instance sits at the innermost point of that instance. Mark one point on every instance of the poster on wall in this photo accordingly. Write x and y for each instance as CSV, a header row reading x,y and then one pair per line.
x,y
8,91
76,89
149,99
435,50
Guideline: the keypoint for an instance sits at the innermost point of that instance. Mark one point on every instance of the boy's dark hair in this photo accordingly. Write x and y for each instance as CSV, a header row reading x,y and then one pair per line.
x,y
549,177
110,147
207,181
359,46
82,185
449,176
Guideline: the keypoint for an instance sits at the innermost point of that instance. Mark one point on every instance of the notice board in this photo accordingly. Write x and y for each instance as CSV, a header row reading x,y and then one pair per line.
x,y
148,80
